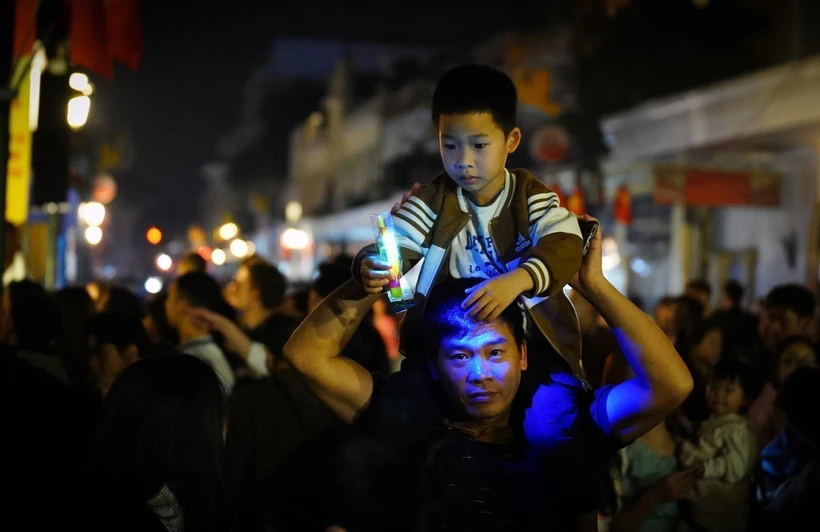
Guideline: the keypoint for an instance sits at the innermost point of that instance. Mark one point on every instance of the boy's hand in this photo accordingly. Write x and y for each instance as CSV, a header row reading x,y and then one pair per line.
x,y
375,274
486,301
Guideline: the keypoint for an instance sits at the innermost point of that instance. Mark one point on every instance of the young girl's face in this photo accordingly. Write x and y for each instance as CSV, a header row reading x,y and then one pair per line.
x,y
725,397
708,351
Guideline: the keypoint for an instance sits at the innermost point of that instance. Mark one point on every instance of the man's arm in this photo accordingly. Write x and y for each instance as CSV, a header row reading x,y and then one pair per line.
x,y
314,350
661,380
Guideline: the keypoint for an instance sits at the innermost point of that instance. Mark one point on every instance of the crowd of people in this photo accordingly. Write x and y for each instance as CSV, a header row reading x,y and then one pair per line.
x,y
488,404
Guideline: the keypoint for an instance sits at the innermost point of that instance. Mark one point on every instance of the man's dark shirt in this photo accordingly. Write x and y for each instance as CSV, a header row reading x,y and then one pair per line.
x,y
500,486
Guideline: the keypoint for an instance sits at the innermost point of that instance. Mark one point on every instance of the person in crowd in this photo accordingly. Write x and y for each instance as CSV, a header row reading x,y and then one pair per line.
x,y
342,480
725,450
705,344
267,418
789,486
121,299
192,262
788,311
765,414
651,484
155,321
260,289
76,308
701,291
230,292
14,263
195,290
115,341
739,327
688,312
464,388
666,317
158,464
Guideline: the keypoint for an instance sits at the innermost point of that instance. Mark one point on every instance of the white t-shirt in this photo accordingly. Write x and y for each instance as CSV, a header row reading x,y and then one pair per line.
x,y
473,253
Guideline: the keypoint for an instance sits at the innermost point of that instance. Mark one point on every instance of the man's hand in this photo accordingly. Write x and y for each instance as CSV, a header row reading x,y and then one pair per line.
x,y
591,274
235,339
375,274
486,301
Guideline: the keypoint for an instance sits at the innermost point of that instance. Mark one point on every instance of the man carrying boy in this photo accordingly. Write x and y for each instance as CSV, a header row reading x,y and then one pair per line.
x,y
478,219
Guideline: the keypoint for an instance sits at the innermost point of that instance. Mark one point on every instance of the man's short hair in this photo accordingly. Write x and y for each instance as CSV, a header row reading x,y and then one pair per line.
x,y
120,330
473,89
195,262
270,282
794,297
201,290
699,285
734,291
444,318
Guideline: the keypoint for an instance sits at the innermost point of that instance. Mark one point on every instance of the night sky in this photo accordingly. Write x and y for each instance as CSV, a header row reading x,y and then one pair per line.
x,y
186,95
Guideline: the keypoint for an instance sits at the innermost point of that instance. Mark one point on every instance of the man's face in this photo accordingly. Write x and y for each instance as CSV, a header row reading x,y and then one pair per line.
x,y
481,372
172,306
777,324
244,290
474,152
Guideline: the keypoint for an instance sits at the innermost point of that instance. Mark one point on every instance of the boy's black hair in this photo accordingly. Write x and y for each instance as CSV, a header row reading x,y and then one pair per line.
x,y
744,373
473,89
792,297
444,318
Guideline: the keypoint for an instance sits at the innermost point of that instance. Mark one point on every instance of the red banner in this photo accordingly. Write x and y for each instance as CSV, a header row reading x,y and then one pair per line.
x,y
703,187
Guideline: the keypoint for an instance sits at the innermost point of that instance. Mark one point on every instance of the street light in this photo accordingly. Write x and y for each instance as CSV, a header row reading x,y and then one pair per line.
x,y
294,239
239,248
164,262
78,108
218,257
228,231
91,213
78,81
93,235
153,285
153,236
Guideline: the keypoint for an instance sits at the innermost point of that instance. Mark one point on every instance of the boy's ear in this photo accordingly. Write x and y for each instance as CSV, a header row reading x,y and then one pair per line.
x,y
513,140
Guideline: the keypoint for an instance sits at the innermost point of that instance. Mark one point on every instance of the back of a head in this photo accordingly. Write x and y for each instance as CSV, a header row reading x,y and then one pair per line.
x,y
120,330
202,290
346,479
163,425
444,318
333,274
734,292
794,297
270,282
75,302
36,318
121,299
799,399
474,89
192,262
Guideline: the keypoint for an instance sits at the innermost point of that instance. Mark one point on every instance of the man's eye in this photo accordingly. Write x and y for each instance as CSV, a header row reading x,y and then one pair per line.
x,y
481,145
496,352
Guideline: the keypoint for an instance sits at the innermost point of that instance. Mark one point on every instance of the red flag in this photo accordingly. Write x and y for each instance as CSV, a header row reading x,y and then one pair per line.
x,y
88,41
622,209
575,203
25,27
124,32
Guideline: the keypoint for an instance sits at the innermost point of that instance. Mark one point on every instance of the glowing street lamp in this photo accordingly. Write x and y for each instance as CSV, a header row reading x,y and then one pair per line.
x,y
91,213
164,262
78,108
93,235
294,239
239,248
153,236
153,285
228,231
218,257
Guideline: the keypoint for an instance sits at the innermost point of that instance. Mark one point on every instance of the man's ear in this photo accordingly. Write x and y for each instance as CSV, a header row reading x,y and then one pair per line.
x,y
523,350
433,367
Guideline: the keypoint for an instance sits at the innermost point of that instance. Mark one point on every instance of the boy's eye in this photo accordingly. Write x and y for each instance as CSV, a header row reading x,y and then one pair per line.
x,y
449,147
481,145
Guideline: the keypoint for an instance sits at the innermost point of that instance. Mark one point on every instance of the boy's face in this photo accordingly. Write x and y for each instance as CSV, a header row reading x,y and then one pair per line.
x,y
725,397
474,152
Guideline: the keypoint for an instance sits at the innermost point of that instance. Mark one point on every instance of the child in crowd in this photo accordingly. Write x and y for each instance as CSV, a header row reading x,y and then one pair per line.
x,y
702,354
479,219
725,451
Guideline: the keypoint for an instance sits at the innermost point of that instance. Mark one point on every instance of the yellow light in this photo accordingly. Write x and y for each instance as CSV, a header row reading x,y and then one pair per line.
x,y
38,64
294,239
78,81
251,247
88,90
93,235
239,248
228,231
78,108
293,212
164,262
218,257
91,213
153,236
